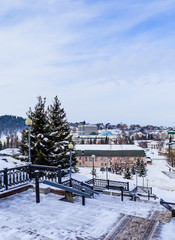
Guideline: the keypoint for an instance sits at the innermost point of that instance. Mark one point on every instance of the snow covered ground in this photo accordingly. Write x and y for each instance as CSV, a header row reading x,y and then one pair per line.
x,y
163,186
9,161
22,219
52,219
10,151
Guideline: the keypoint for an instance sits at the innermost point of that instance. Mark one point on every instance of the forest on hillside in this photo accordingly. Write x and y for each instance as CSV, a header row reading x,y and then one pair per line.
x,y
9,124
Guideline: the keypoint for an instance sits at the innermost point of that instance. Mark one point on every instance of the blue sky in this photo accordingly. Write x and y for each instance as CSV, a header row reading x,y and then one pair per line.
x,y
107,61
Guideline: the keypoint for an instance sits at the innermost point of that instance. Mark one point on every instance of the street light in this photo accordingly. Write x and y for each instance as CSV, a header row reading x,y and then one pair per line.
x,y
170,144
28,122
93,157
136,177
106,172
70,146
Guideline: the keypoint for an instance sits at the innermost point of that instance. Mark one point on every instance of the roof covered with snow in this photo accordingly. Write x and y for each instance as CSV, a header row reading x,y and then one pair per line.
x,y
107,147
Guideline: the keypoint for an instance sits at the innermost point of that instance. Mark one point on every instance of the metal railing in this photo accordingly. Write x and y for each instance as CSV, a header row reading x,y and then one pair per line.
x,y
46,172
167,204
17,176
72,181
11,177
108,184
140,189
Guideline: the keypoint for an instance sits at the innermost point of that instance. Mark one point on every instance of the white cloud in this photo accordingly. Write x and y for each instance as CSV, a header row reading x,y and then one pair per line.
x,y
91,55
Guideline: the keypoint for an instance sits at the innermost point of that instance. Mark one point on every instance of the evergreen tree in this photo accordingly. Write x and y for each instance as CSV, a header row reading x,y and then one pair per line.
x,y
23,145
142,170
127,173
8,142
133,170
59,135
50,135
137,166
40,147
40,144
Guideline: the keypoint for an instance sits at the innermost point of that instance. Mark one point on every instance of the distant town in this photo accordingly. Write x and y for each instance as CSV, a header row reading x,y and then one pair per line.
x,y
153,137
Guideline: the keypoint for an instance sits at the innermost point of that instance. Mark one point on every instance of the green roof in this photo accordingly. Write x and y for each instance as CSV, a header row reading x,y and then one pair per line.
x,y
112,153
93,133
171,132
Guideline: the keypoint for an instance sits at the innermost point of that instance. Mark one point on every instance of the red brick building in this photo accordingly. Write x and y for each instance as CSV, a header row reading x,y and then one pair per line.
x,y
108,155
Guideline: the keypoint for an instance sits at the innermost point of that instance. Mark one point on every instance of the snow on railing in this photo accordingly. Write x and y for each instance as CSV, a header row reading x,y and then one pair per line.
x,y
17,176
109,184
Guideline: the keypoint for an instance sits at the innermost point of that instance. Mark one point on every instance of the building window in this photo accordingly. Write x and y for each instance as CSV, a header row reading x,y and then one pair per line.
x,y
101,158
85,158
91,159
101,164
106,158
80,158
118,158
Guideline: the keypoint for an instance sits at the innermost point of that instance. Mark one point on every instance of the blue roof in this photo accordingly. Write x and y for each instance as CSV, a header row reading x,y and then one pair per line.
x,y
106,133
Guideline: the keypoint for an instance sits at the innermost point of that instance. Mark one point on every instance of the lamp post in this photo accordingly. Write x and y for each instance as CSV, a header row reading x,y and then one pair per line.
x,y
106,172
70,146
136,178
147,183
143,180
93,173
28,122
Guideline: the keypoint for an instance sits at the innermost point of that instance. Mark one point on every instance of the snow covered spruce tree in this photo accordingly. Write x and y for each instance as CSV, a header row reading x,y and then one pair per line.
x,y
142,170
40,144
50,135
59,135
24,142
137,165
127,173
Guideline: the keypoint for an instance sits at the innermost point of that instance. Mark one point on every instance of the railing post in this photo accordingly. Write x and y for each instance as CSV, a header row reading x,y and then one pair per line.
x,y
127,186
30,172
37,186
59,174
173,213
70,182
148,195
6,178
108,184
122,194
83,198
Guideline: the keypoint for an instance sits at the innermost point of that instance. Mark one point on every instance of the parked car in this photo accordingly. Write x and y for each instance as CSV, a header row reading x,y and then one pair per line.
x,y
149,160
